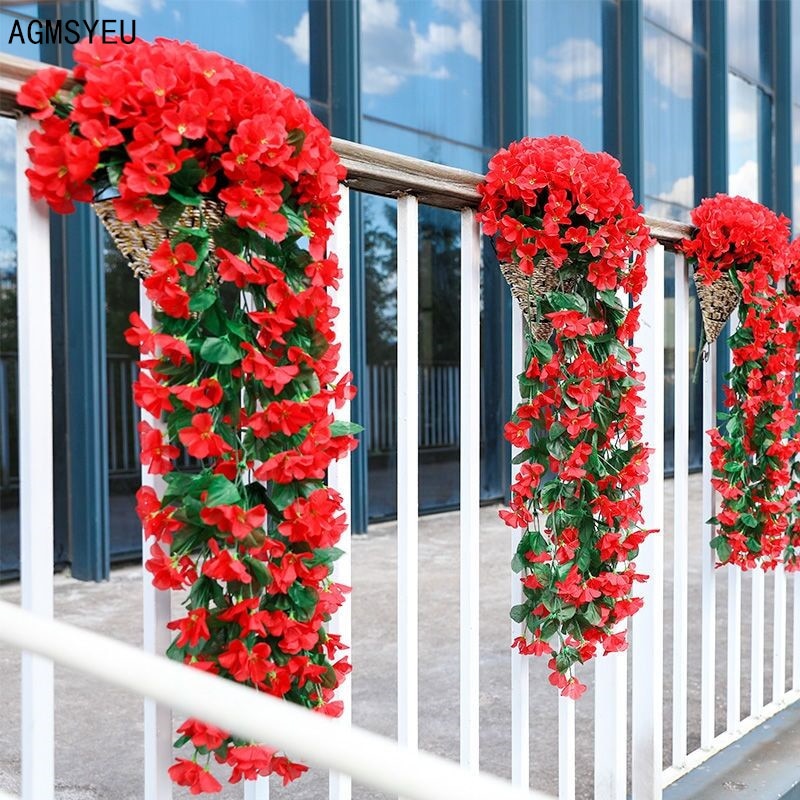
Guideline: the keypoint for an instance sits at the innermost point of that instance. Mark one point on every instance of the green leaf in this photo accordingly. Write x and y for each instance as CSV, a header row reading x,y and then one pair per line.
x,y
325,555
592,614
343,428
526,455
258,570
186,199
221,492
189,175
114,170
170,215
518,613
561,301
542,351
203,300
518,563
219,351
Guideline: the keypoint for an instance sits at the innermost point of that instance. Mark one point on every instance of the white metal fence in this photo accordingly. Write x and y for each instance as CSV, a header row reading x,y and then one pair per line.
x,y
417,182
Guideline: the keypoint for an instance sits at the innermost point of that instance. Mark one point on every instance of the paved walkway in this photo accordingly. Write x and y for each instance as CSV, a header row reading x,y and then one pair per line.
x,y
98,729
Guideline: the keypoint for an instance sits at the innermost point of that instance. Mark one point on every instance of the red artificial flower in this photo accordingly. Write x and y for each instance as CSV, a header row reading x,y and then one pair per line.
x,y
190,774
200,440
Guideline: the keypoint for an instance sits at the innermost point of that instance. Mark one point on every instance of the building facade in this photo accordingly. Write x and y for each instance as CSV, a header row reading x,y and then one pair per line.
x,y
693,96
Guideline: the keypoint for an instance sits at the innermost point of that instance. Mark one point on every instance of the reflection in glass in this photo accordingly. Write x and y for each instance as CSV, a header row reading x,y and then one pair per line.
x,y
743,166
796,169
439,271
796,52
9,422
421,66
271,38
743,18
565,72
23,13
668,140
675,15
695,388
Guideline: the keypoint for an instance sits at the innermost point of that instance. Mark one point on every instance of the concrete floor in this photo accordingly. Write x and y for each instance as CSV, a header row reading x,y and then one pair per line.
x,y
98,729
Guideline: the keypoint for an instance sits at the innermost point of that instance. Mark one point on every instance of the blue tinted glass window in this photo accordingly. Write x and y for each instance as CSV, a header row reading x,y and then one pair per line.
x,y
796,51
796,169
565,70
743,166
668,139
23,14
675,15
421,66
743,20
271,38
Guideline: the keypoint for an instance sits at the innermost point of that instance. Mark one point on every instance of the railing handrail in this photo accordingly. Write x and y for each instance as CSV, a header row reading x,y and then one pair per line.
x,y
369,169
372,759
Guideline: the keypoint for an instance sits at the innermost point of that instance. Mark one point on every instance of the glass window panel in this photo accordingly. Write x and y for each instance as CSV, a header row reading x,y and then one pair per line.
x,y
675,15
9,424
565,70
421,65
743,164
16,48
420,145
743,20
439,270
796,51
668,137
796,169
271,38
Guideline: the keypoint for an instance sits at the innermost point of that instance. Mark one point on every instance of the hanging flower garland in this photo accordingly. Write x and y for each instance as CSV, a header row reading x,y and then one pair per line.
x,y
224,191
753,449
792,554
569,238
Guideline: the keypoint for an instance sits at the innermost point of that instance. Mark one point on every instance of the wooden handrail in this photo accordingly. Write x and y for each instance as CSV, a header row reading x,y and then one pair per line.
x,y
369,169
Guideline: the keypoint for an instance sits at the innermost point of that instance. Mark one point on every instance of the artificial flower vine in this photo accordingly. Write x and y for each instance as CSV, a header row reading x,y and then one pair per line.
x,y
753,448
238,183
570,239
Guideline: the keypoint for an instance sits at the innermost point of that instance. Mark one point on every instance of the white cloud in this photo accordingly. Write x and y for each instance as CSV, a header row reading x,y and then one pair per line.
x,y
538,103
132,7
571,60
673,73
376,14
744,181
681,192
589,92
393,52
742,125
298,42
8,142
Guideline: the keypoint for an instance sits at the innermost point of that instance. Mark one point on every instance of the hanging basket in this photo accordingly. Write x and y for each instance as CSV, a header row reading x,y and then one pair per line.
x,y
527,290
138,242
717,302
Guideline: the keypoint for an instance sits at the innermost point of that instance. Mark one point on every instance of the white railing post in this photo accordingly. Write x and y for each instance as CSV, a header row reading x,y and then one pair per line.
x,y
648,623
407,470
708,600
156,612
611,726
470,452
680,527
520,665
340,787
779,636
35,470
566,748
796,633
734,654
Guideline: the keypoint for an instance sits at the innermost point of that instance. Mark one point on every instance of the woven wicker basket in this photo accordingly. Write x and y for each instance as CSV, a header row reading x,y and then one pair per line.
x,y
717,302
138,242
528,289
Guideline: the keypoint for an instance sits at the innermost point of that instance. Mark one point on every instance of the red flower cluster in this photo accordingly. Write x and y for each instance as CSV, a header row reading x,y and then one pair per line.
x,y
166,122
737,233
754,447
239,370
576,497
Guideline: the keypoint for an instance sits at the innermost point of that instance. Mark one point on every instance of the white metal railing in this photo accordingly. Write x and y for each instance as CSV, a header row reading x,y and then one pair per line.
x,y
373,760
416,182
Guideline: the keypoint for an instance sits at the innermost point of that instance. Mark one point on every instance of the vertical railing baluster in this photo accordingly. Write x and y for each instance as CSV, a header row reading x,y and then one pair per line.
x,y
407,470
757,642
35,393
648,623
779,635
339,476
158,732
470,488
734,648
566,748
680,527
796,633
520,667
708,598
